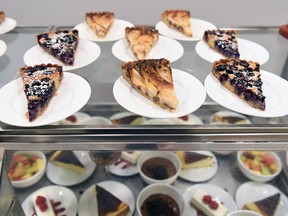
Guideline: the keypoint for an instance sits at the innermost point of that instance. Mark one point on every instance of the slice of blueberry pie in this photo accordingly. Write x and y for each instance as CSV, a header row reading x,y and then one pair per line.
x,y
40,85
224,42
100,22
242,78
60,44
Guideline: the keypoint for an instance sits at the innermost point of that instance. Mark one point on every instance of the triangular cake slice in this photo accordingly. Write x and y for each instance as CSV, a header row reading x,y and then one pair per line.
x,y
40,84
265,207
141,40
190,160
108,204
100,22
243,78
178,20
67,160
60,44
224,42
153,79
2,16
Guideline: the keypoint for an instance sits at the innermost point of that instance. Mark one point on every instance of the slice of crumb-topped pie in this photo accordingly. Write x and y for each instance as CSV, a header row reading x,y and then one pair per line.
x,y
243,78
60,44
224,42
178,20
141,40
40,85
100,22
153,79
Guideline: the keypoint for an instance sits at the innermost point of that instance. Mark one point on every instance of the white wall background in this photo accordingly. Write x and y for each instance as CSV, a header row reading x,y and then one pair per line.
x,y
223,13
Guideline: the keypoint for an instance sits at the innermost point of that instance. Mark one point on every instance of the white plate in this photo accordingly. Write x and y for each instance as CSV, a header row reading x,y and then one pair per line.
x,y
73,93
3,47
86,53
252,191
216,192
7,25
123,168
198,28
116,31
64,177
164,48
274,88
248,50
200,174
189,91
87,202
56,193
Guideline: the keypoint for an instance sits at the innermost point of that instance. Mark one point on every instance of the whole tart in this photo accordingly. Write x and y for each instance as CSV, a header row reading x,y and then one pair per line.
x,y
2,16
178,20
153,79
224,42
40,84
100,22
243,78
141,40
60,44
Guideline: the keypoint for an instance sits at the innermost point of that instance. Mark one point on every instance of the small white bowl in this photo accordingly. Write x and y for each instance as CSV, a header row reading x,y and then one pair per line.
x,y
161,154
159,188
37,176
243,213
255,176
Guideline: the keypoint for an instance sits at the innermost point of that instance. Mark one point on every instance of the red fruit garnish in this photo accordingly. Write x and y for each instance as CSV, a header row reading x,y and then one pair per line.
x,y
207,199
40,200
43,207
71,118
213,205
184,118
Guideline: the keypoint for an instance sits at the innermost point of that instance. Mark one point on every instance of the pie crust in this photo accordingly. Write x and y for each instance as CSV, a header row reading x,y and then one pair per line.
x,y
2,16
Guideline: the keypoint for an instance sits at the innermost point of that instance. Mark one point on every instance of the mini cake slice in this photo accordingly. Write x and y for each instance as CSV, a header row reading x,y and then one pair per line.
x,y
100,22
153,79
42,204
265,207
223,41
190,160
108,204
60,44
178,20
40,85
67,160
242,78
141,40
130,156
2,16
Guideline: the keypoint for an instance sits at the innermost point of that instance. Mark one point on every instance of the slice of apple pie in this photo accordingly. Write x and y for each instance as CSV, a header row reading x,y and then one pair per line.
x,y
153,79
141,40
2,16
178,20
100,22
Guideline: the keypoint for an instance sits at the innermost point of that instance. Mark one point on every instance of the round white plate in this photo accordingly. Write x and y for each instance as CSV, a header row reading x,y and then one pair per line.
x,y
3,47
79,116
73,93
116,31
87,202
164,48
123,168
56,193
189,91
252,191
248,50
86,53
64,177
274,88
216,192
198,28
7,25
200,174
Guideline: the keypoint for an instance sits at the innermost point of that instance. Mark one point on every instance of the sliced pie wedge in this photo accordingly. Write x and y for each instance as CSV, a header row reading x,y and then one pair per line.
x,y
60,44
243,78
141,40
224,42
100,22
108,204
2,16
153,79
178,20
190,160
40,85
